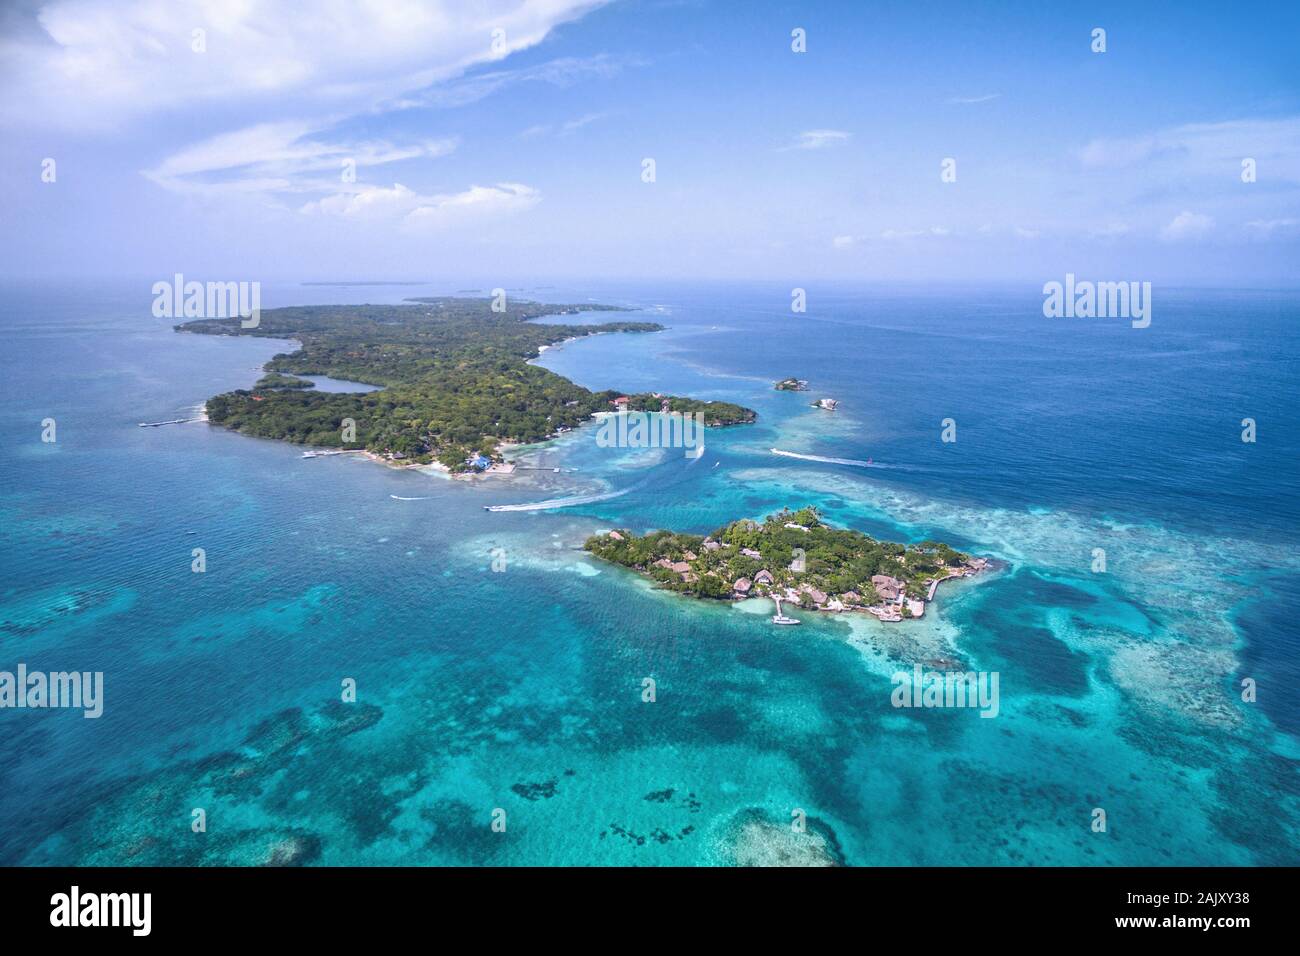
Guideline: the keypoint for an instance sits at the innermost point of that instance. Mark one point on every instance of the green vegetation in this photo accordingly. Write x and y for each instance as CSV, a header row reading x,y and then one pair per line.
x,y
837,564
791,385
454,378
276,380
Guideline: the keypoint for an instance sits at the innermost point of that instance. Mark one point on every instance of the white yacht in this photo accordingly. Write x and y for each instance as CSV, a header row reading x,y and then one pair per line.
x,y
779,618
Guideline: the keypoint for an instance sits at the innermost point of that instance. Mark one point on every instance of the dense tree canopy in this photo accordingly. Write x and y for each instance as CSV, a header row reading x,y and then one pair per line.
x,y
832,560
454,378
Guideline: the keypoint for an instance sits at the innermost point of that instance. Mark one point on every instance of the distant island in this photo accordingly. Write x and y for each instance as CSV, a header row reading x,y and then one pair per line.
x,y
454,378
791,385
796,557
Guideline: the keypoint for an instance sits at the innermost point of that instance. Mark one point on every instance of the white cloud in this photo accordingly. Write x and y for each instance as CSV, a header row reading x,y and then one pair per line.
x,y
968,100
1207,149
565,128
1187,225
938,232
474,204
98,63
426,213
562,72
1117,152
369,202
818,139
843,242
279,157
577,124
1267,228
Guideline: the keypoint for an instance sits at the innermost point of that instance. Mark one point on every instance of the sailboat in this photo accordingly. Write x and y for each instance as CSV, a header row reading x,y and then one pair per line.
x,y
778,617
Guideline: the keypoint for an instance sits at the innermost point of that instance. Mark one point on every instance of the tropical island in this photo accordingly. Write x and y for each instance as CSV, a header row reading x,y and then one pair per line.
x,y
276,380
792,556
454,376
791,385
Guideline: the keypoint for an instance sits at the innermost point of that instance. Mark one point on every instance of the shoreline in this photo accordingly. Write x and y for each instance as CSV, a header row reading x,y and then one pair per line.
x,y
488,456
989,566
842,570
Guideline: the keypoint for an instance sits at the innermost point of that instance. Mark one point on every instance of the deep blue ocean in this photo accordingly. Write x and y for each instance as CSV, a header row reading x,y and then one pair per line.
x,y
519,692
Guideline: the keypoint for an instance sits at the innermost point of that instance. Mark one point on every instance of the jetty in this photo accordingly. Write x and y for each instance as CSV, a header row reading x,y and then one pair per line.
x,y
174,421
778,617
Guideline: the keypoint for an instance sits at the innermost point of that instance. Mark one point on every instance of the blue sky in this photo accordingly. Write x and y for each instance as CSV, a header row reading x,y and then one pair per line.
x,y
521,159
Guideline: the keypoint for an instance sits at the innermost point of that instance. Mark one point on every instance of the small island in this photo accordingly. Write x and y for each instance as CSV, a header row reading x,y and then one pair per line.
x,y
791,385
275,380
792,556
454,375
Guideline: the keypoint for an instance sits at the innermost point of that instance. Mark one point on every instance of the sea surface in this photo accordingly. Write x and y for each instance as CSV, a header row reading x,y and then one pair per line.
x,y
518,695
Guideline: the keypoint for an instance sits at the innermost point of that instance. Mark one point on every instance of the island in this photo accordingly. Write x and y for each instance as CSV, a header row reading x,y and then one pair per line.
x,y
791,385
792,556
276,380
454,377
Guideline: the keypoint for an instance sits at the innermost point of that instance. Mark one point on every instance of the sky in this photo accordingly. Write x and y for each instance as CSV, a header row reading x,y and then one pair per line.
x,y
501,141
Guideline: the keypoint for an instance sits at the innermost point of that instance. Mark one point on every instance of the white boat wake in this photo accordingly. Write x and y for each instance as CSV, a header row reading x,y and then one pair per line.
x,y
830,461
691,460
400,498
579,499
852,462
562,502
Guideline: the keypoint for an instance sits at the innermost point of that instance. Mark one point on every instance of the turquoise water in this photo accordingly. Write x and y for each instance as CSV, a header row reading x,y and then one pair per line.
x,y
522,690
